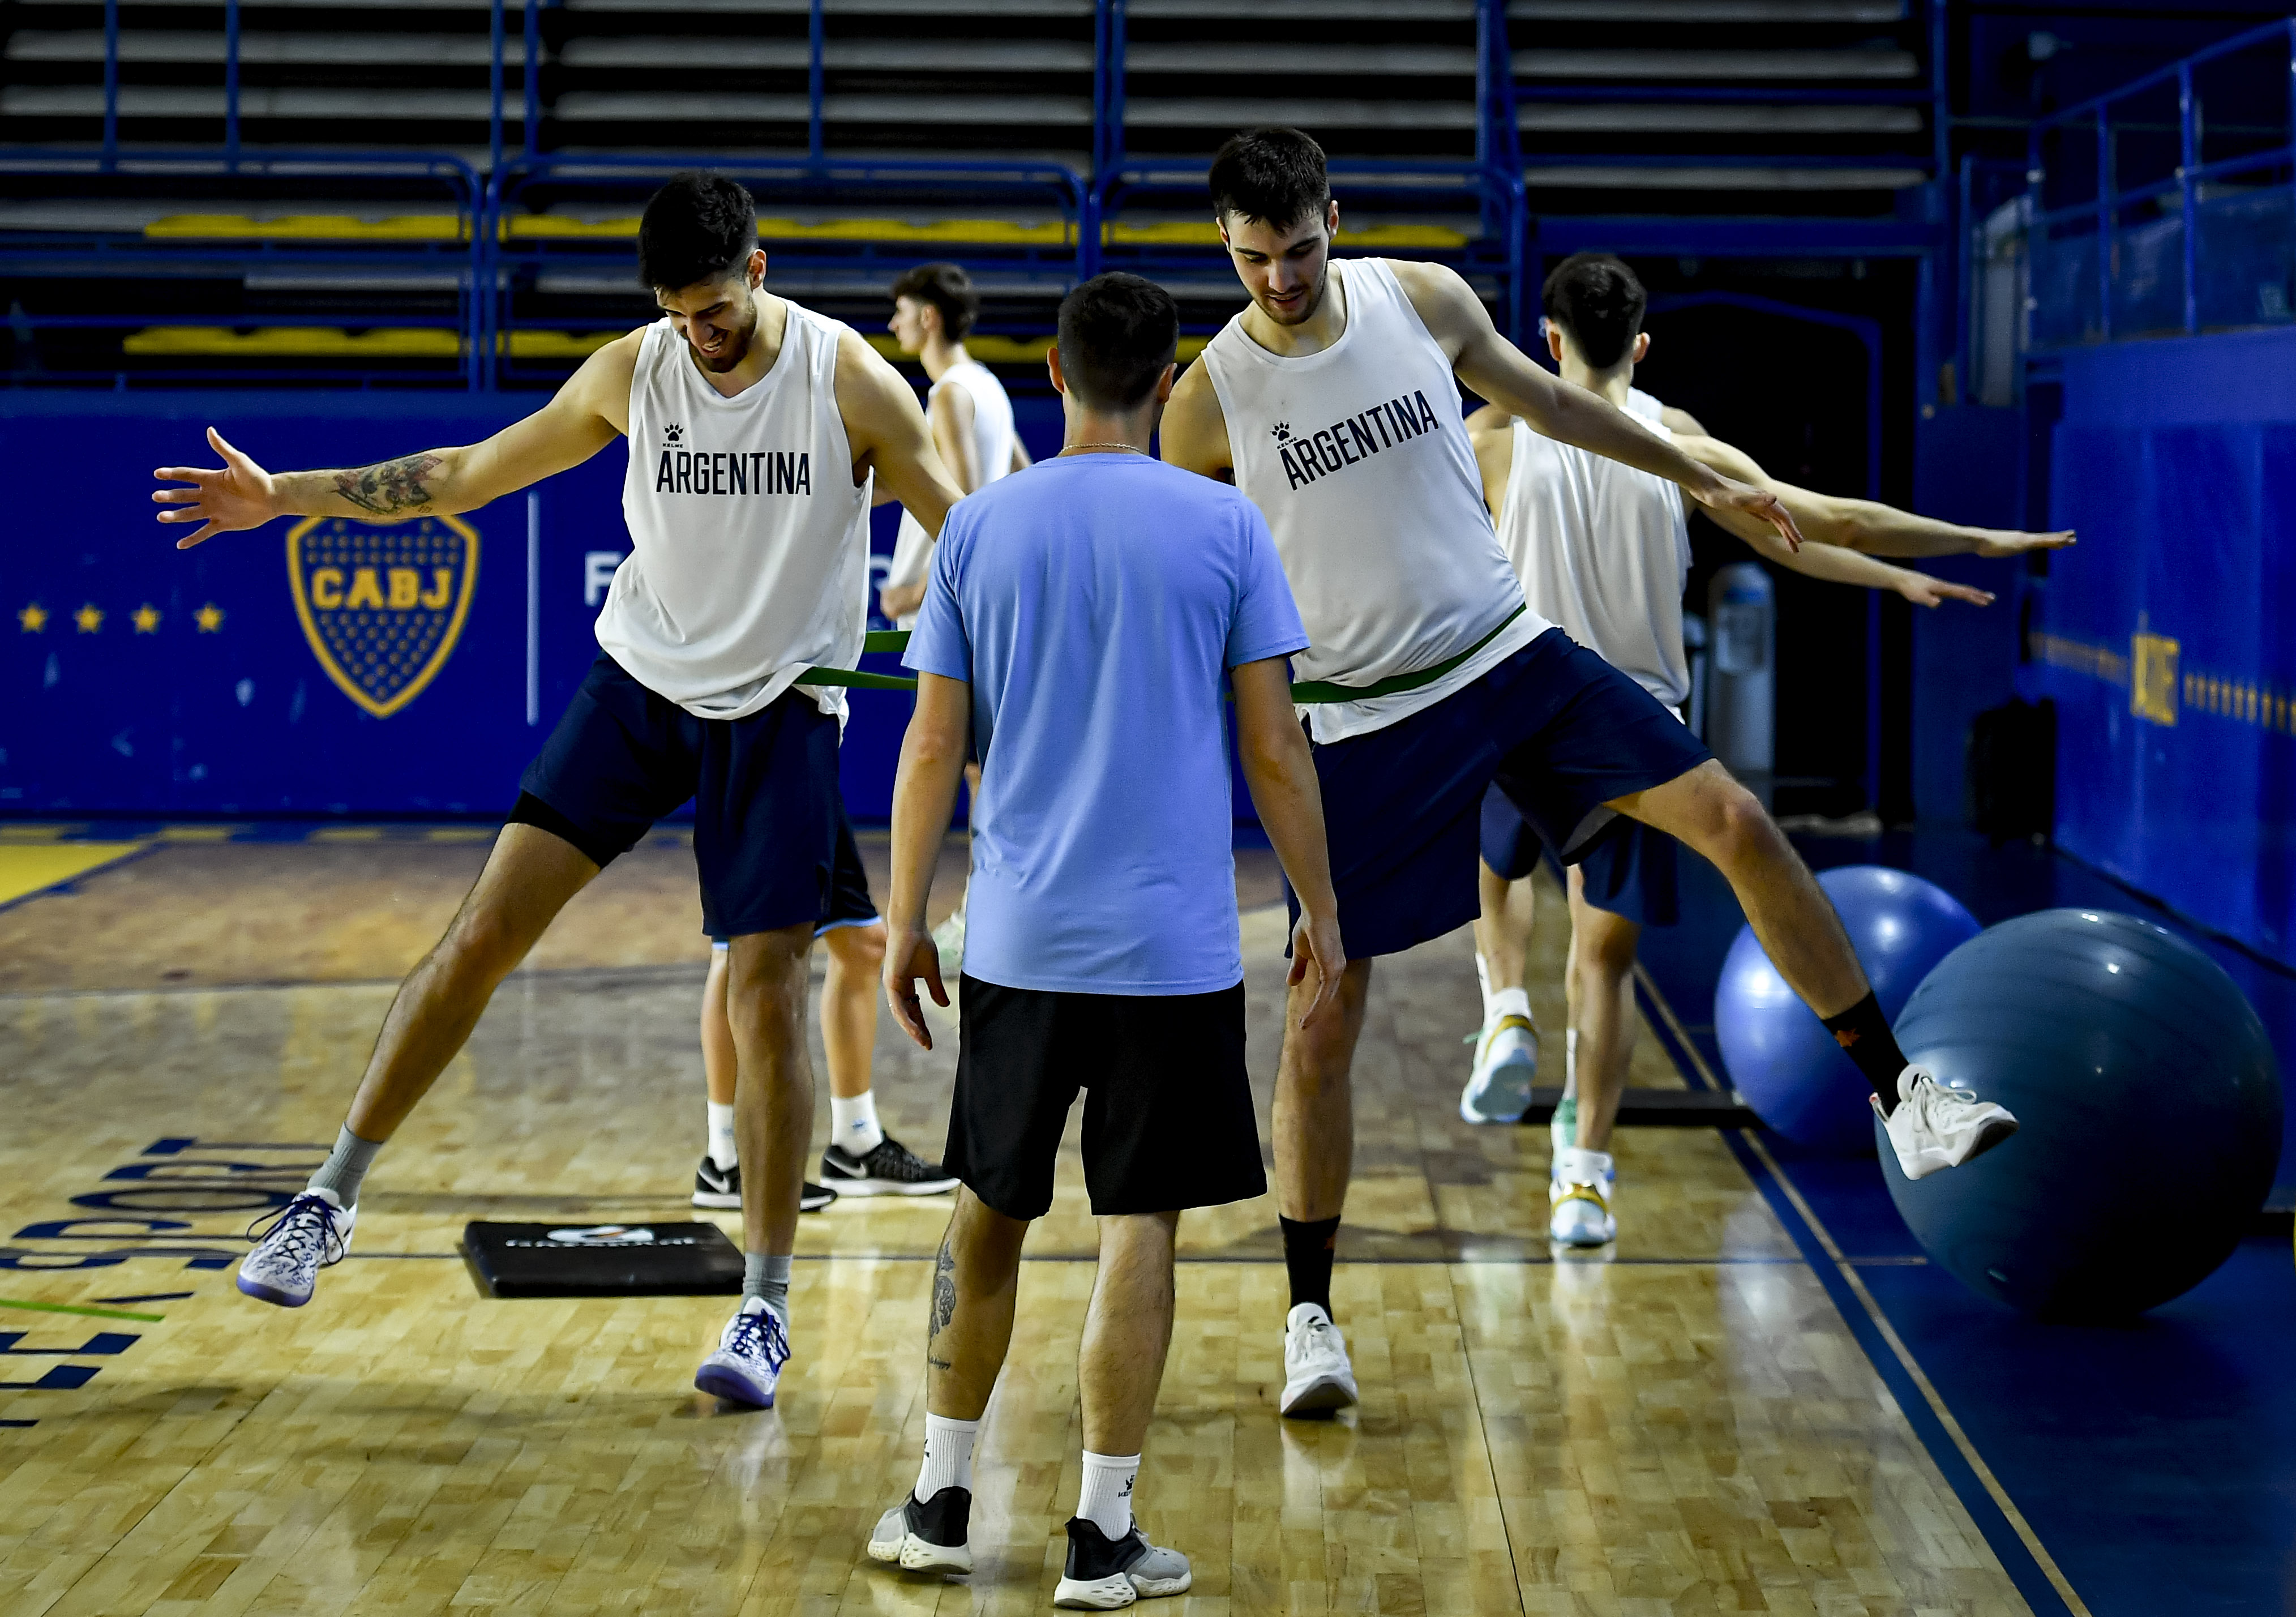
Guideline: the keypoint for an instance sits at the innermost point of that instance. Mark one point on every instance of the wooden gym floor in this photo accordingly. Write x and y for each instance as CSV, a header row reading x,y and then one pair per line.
x,y
1684,1427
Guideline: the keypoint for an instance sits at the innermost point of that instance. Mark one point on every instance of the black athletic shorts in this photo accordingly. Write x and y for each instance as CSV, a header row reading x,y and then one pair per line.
x,y
1169,1120
1559,731
766,803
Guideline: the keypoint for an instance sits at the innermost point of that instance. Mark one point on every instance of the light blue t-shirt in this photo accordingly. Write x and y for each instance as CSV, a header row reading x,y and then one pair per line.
x,y
1094,603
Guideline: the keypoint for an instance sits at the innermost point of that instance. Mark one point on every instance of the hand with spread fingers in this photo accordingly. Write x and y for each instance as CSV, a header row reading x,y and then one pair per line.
x,y
237,497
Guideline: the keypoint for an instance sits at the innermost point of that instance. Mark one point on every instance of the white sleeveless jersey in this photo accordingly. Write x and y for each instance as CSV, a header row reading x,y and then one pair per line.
x,y
992,453
1359,459
1605,551
751,544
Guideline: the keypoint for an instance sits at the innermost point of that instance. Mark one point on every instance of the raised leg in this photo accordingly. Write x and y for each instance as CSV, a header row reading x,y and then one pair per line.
x,y
1708,811
528,879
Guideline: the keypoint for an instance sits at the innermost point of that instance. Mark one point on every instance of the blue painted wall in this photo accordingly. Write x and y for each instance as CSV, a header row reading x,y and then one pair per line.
x,y
136,678
2165,634
1963,661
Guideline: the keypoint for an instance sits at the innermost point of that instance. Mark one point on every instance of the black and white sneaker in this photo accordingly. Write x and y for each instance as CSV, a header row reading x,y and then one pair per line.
x,y
1102,1576
927,1537
721,1187
891,1170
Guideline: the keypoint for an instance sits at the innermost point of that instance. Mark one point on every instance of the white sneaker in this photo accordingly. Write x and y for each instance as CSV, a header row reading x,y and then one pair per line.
x,y
1316,1375
1579,1194
1102,1576
1506,1060
308,1234
751,1350
1936,1127
931,1537
948,938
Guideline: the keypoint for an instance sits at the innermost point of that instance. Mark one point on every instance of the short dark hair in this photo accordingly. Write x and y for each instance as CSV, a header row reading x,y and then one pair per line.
x,y
948,289
1117,334
1274,176
1599,302
695,228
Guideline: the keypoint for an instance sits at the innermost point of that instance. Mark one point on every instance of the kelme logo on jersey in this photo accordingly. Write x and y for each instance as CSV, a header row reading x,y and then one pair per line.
x,y
1310,456
718,471
382,606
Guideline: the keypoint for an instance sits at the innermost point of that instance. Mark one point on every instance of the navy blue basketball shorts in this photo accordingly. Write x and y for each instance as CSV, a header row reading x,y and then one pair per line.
x,y
1169,1119
849,903
1558,730
767,809
1629,868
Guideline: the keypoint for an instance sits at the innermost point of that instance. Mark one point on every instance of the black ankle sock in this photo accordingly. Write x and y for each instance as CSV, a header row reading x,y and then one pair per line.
x,y
1864,1032
1308,1255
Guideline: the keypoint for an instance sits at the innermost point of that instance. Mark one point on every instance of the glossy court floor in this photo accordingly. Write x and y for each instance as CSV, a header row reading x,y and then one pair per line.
x,y
1690,1426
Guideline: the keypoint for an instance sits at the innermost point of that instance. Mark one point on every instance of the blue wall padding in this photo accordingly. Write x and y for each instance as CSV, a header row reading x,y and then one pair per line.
x,y
2176,461
244,718
1964,660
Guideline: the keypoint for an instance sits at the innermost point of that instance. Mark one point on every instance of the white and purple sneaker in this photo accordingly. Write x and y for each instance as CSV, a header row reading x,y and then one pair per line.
x,y
304,1236
751,1350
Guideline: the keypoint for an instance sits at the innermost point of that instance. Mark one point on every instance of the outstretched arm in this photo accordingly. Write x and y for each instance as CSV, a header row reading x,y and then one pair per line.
x,y
1281,774
1868,525
581,419
1508,377
924,795
1836,565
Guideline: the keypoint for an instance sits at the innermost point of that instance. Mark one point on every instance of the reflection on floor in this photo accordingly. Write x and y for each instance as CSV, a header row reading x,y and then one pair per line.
x,y
1689,1427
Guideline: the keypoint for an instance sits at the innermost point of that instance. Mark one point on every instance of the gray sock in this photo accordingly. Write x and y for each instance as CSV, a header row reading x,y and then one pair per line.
x,y
765,1275
345,1166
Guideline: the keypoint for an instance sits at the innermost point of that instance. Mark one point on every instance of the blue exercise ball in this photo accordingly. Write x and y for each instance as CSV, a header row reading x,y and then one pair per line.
x,y
1780,1056
2148,1107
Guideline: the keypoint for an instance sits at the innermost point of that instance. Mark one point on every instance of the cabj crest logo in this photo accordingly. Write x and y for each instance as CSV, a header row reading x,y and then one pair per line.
x,y
382,605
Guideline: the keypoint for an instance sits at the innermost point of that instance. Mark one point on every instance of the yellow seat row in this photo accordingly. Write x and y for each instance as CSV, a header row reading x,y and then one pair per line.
x,y
402,342
998,232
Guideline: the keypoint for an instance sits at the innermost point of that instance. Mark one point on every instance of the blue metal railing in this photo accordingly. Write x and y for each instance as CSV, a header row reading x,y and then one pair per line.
x,y
2121,257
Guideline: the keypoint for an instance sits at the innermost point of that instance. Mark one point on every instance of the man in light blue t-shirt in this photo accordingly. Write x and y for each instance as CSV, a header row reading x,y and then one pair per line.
x,y
1080,622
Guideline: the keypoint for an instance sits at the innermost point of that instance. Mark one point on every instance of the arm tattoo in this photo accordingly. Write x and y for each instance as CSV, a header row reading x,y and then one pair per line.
x,y
390,489
944,1297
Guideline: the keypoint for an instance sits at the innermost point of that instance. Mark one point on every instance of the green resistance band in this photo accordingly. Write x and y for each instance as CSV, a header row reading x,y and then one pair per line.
x,y
1308,691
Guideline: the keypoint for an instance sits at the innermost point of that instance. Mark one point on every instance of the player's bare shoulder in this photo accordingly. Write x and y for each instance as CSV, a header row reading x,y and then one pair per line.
x,y
601,385
1194,432
1445,303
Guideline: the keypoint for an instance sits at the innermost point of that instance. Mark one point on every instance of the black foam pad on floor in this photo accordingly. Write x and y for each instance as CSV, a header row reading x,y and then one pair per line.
x,y
603,1259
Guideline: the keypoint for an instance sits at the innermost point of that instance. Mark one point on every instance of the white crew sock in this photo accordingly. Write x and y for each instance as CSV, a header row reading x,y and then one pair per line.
x,y
1106,1501
1483,981
721,1135
948,1456
853,1123
1507,1002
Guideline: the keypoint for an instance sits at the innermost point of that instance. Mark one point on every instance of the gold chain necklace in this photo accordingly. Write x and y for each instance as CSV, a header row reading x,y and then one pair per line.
x,y
1128,449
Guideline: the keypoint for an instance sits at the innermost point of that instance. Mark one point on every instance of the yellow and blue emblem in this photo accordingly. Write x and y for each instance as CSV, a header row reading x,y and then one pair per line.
x,y
382,604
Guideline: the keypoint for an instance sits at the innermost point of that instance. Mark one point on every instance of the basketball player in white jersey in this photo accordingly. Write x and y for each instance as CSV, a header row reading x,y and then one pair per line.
x,y
1602,551
934,307
1333,403
755,429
